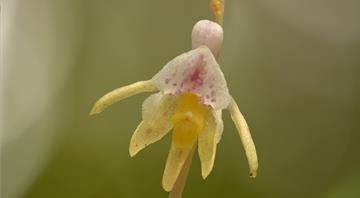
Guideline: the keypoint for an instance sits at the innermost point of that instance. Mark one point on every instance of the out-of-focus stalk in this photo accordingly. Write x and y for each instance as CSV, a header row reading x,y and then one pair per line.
x,y
217,6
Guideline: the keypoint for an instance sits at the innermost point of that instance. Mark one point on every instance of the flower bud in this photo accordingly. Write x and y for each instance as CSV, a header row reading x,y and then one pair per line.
x,y
207,33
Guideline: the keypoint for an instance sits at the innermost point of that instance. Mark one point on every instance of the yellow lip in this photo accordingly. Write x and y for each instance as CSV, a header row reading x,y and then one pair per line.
x,y
188,120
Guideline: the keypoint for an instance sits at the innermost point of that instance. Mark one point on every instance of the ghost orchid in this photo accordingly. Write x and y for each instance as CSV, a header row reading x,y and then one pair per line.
x,y
192,93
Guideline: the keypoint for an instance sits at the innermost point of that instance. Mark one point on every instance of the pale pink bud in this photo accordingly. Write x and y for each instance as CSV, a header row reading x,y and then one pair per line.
x,y
207,33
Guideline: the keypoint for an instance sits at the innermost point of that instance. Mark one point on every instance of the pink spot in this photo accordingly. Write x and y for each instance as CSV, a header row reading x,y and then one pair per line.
x,y
196,75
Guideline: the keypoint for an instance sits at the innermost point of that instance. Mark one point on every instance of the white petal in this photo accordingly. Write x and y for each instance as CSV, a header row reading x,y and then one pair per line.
x,y
207,145
219,125
245,137
156,126
197,72
122,93
149,105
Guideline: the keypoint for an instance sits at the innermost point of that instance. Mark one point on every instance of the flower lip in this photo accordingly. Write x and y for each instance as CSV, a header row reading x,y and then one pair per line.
x,y
188,120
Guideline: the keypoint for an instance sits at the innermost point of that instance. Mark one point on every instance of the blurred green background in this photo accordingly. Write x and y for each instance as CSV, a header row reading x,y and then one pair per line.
x,y
292,65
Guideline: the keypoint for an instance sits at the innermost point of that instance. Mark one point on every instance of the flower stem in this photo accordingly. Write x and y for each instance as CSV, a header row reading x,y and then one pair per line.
x,y
217,7
181,180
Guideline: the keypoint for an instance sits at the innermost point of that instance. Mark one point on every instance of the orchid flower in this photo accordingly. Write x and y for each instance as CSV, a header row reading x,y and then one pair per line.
x,y
191,94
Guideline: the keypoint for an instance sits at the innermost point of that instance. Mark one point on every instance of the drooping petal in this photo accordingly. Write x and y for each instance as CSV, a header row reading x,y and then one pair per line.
x,y
122,93
207,145
155,126
219,125
179,185
196,72
245,137
174,164
150,104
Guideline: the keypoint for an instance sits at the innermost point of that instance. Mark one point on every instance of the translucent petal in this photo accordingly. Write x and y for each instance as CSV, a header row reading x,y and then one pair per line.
x,y
207,145
196,72
122,93
174,164
149,105
245,137
219,125
155,126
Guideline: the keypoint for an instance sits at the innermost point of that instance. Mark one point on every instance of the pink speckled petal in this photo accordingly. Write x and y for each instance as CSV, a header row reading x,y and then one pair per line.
x,y
196,72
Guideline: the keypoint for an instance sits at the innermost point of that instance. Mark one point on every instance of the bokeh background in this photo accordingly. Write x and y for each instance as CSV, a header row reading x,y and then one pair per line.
x,y
292,65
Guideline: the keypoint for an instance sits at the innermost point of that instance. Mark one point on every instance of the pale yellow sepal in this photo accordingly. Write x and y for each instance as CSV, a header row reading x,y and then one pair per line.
x,y
245,137
122,93
207,145
156,126
174,164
